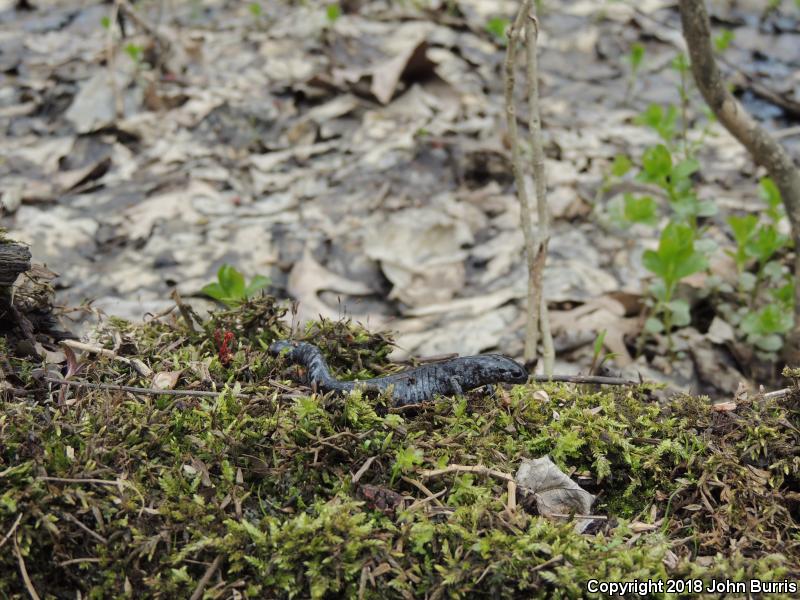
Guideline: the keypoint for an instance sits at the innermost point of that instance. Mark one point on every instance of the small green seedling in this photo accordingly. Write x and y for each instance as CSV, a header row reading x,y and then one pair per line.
x,y
764,328
230,288
723,41
675,259
405,460
333,12
135,51
497,26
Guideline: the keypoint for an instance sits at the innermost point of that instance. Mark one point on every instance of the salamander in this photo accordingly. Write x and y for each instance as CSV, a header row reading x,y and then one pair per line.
x,y
413,386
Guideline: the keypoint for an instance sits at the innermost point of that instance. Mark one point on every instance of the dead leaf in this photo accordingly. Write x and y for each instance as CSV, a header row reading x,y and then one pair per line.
x,y
308,278
411,62
595,316
166,380
555,493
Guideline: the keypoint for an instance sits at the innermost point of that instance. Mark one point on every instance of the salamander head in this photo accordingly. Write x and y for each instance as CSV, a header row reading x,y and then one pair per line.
x,y
499,368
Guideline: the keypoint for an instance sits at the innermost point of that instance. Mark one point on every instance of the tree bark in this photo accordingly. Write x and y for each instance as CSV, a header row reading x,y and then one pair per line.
x,y
14,259
764,149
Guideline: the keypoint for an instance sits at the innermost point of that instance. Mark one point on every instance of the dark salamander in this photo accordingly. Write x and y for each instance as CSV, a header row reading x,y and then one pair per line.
x,y
413,386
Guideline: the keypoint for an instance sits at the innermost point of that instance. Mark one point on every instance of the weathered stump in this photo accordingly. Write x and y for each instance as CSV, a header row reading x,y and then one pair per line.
x,y
14,259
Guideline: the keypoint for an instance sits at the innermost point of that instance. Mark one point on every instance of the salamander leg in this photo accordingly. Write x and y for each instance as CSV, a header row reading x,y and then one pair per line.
x,y
456,387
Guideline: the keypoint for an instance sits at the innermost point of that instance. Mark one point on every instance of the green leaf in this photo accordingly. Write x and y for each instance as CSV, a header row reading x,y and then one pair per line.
x,y
657,162
691,264
676,256
105,22
231,281
598,342
214,290
255,9
747,281
497,26
621,165
770,193
774,270
636,55
723,40
765,243
653,325
771,319
706,208
743,228
770,343
685,169
333,12
135,52
680,63
680,313
660,121
640,210
257,283
659,291
784,294
653,263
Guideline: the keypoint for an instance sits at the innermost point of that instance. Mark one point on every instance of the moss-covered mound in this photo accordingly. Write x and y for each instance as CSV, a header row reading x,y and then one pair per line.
x,y
268,491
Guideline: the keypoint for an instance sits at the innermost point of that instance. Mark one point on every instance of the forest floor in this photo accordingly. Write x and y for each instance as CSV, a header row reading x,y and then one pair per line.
x,y
355,155
357,158
261,489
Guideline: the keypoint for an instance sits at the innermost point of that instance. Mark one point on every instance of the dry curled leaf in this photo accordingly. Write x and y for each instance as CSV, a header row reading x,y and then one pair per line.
x,y
556,494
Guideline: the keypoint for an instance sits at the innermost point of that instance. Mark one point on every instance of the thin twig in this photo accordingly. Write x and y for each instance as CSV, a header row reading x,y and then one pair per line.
x,y
787,132
114,482
139,390
547,563
24,572
91,532
134,363
201,585
11,531
77,561
532,315
511,502
422,488
363,469
477,469
582,379
779,393
571,516
540,186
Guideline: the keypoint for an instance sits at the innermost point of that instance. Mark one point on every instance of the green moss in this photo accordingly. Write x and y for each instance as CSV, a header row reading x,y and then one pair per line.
x,y
124,495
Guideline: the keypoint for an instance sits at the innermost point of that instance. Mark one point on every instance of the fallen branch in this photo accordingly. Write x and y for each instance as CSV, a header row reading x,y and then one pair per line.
x,y
762,147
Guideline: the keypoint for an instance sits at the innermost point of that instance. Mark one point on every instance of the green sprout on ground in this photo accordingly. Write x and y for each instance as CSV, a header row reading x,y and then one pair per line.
x,y
675,259
230,287
497,27
333,12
